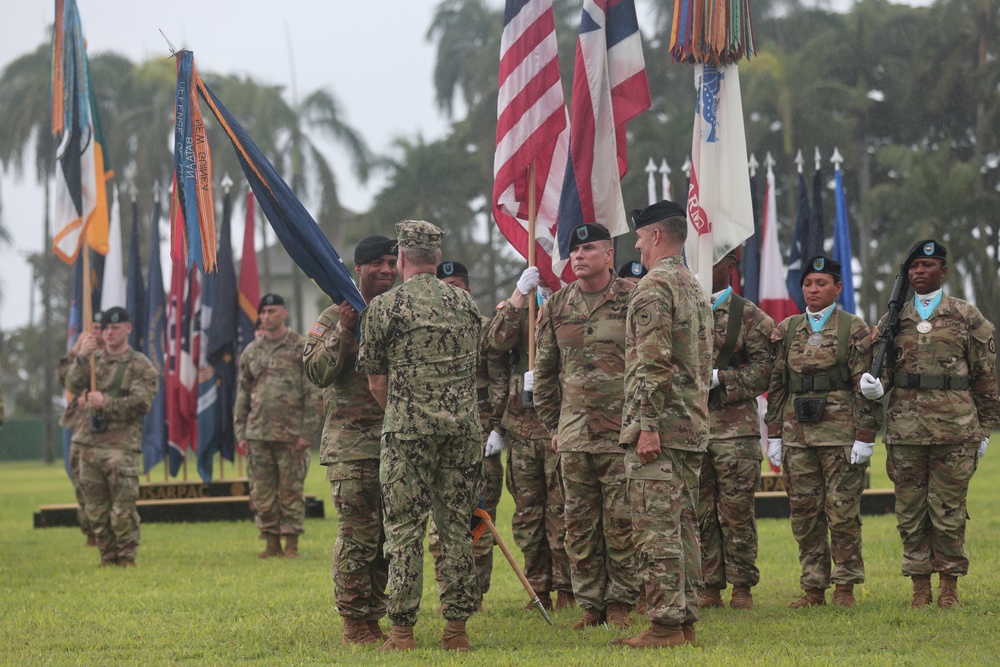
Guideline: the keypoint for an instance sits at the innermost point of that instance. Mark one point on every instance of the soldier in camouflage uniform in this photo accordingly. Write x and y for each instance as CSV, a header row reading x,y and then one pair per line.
x,y
350,448
111,446
577,380
419,347
815,411
276,418
534,476
492,374
730,469
665,424
943,406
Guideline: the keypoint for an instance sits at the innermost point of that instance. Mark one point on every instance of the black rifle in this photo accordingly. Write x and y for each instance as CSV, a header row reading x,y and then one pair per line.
x,y
899,290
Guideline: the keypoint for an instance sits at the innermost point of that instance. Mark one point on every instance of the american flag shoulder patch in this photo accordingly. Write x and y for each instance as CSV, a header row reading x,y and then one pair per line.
x,y
317,329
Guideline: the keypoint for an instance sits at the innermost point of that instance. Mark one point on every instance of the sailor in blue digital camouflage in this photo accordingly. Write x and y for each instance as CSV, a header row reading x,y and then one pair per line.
x,y
943,405
277,415
419,347
350,447
730,469
534,474
111,445
577,385
821,430
665,424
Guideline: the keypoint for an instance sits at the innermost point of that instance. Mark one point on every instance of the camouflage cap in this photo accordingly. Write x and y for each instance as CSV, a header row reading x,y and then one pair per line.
x,y
418,234
116,315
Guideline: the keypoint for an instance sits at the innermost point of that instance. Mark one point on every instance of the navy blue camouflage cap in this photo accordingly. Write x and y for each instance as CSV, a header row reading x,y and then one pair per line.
x,y
116,315
270,300
928,248
820,264
632,270
452,270
587,233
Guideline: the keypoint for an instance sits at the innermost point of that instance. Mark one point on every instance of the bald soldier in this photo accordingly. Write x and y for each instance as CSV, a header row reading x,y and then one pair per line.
x,y
350,448
943,406
577,384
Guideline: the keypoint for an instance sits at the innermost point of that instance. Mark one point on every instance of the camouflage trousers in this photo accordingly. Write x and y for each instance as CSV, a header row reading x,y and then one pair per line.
x,y
730,474
534,479
664,512
824,493
599,530
482,549
276,489
360,570
931,484
109,479
434,476
74,472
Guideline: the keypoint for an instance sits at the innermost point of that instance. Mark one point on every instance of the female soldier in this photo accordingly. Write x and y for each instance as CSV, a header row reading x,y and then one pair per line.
x,y
821,431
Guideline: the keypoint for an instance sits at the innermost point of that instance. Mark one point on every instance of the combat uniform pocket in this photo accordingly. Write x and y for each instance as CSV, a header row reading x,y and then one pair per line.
x,y
392,466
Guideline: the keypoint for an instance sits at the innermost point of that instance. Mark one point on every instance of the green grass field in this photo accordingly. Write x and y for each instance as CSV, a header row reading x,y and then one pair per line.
x,y
200,596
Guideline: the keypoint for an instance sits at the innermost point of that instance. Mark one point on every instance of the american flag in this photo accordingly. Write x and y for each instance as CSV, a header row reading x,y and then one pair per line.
x,y
609,89
531,127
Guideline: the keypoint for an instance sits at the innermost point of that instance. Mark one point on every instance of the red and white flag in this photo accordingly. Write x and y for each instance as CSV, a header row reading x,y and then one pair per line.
x,y
720,211
532,127
774,298
609,89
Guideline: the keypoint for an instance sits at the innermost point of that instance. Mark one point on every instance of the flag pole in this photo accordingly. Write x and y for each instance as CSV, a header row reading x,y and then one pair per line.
x,y
532,306
88,306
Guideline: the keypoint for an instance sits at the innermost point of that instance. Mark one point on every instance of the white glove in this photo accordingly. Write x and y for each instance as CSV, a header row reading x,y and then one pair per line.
x,y
862,451
715,378
528,280
529,380
871,387
495,444
774,451
981,452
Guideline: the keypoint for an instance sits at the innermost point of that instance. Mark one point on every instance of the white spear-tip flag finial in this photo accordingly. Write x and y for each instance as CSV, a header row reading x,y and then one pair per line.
x,y
818,158
769,162
686,167
651,181
837,158
227,183
668,192
752,164
799,160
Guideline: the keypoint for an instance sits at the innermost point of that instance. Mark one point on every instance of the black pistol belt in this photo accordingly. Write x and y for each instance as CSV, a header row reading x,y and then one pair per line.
x,y
926,381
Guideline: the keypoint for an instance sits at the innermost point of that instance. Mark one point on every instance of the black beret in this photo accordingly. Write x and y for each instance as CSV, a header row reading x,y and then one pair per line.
x,y
452,270
926,248
270,300
820,264
661,210
632,270
371,248
116,315
588,232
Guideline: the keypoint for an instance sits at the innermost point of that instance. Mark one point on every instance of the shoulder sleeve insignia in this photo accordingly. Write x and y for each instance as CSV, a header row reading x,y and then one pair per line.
x,y
501,304
317,329
992,345
774,334
875,332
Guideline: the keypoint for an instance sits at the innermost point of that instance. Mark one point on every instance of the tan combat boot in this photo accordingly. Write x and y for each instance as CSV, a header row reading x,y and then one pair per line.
x,y
688,630
922,595
454,637
814,597
657,636
357,632
640,604
376,630
710,598
843,595
400,639
948,592
291,546
590,618
565,600
742,597
273,546
91,540
617,615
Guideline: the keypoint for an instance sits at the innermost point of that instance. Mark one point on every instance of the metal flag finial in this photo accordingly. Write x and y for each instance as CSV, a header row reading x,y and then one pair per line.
x,y
837,158
752,164
818,158
651,182
799,160
668,193
227,182
686,167
769,160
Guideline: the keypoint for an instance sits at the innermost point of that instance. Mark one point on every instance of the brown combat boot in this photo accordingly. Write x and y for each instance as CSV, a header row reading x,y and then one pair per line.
x,y
544,598
273,546
843,595
742,597
590,618
454,637
617,615
948,592
640,604
565,600
710,598
376,630
291,546
91,540
814,597
657,636
400,639
688,630
922,595
357,632
125,562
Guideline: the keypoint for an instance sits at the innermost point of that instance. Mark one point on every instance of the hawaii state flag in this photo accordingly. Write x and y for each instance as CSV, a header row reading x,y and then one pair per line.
x,y
609,89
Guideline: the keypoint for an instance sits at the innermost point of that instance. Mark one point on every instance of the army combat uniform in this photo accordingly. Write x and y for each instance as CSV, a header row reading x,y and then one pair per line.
x,y
824,487
730,469
579,370
668,372
110,458
350,451
275,406
534,476
75,417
